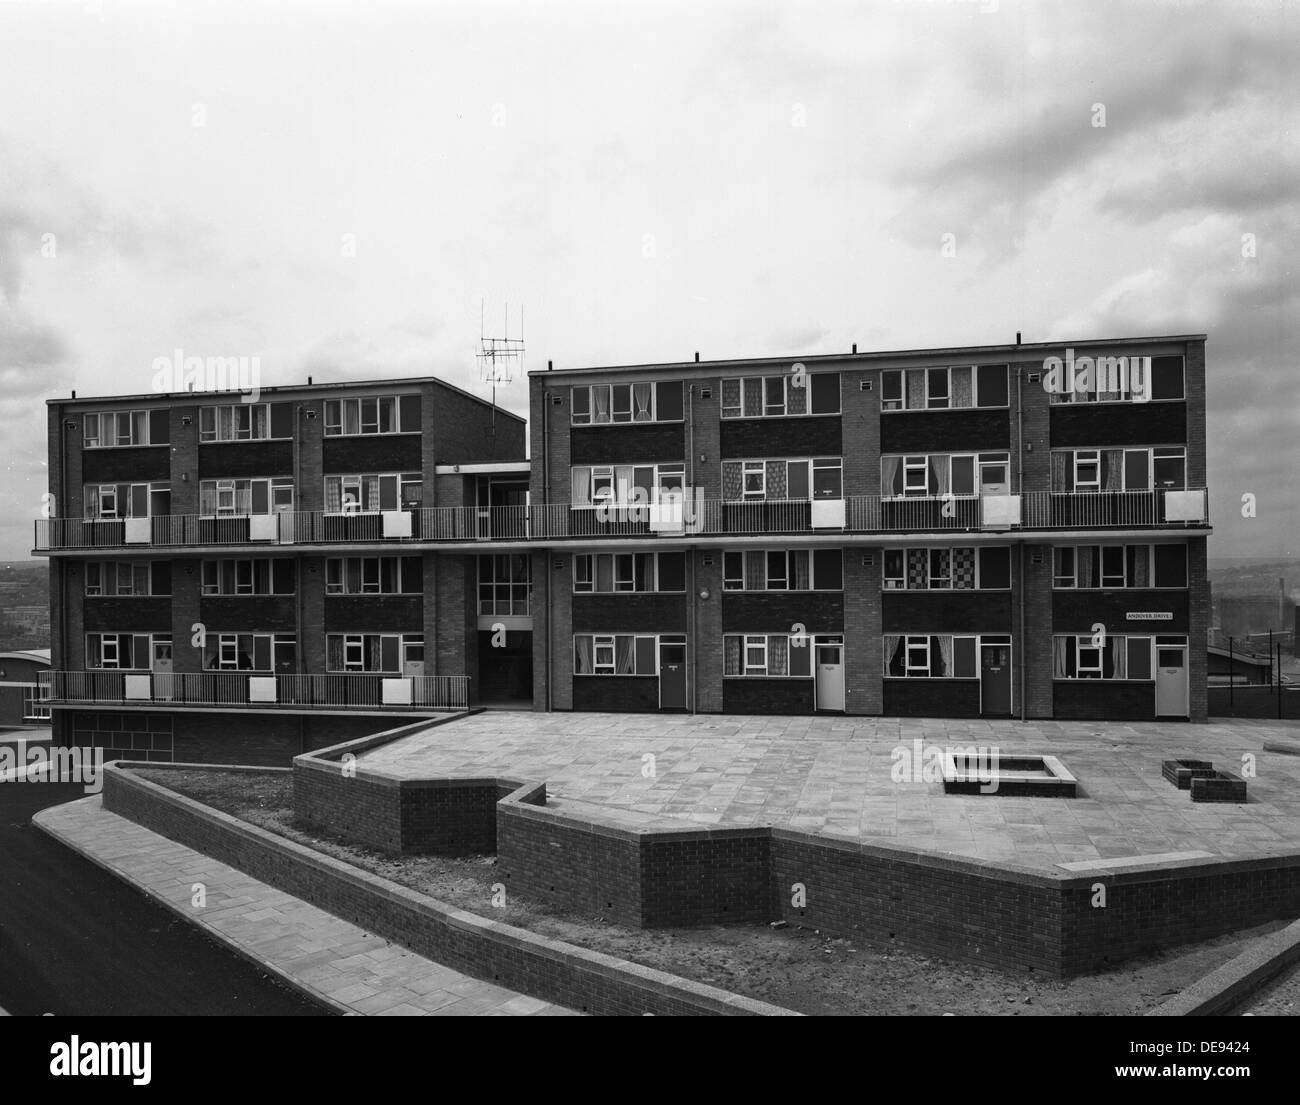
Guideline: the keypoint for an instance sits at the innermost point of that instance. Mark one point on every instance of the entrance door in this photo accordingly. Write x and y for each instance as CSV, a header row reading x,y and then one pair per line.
x,y
830,676
412,660
672,677
994,478
1171,681
163,680
995,681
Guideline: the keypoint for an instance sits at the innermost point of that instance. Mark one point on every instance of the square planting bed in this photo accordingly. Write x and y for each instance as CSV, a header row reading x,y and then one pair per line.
x,y
1219,787
1018,776
1182,772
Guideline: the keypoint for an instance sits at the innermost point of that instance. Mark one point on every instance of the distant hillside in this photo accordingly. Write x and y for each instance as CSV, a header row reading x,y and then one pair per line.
x,y
24,604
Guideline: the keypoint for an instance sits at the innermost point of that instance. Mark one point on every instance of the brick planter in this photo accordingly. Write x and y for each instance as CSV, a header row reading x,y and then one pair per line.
x,y
1219,787
1182,772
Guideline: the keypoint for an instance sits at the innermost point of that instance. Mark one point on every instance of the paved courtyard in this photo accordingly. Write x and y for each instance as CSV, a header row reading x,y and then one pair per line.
x,y
834,775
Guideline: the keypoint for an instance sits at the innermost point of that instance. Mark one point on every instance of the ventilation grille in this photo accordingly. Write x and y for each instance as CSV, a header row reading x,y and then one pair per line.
x,y
706,393
868,560
1035,377
1036,557
556,400
864,385
707,560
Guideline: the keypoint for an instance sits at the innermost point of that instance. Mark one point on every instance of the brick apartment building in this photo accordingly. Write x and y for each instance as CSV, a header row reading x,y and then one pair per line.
x,y
916,533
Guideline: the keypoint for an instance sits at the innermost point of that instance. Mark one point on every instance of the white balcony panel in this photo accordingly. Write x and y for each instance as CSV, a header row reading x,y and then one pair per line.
x,y
999,511
397,692
138,531
136,688
262,527
261,688
828,514
397,523
667,517
1185,506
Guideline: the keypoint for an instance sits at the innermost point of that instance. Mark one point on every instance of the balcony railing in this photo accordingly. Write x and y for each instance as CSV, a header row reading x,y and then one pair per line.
x,y
230,688
857,514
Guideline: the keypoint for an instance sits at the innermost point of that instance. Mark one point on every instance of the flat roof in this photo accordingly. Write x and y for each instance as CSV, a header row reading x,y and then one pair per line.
x,y
286,389
880,355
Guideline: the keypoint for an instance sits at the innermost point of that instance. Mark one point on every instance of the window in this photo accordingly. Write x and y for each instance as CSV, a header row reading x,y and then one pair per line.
x,y
114,501
105,429
963,568
782,395
371,493
615,654
128,578
252,496
961,387
1130,469
123,651
782,480
504,583
374,575
1110,657
783,570
1115,567
767,655
267,652
268,576
639,401
373,415
624,484
629,572
235,422
1121,380
755,480
376,653
934,656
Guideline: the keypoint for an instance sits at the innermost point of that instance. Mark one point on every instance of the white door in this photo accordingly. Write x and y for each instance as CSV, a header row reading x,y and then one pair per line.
x,y
163,687
1171,681
995,478
830,675
412,660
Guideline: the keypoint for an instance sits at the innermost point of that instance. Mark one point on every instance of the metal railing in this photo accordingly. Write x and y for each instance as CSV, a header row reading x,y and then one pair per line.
x,y
859,514
254,689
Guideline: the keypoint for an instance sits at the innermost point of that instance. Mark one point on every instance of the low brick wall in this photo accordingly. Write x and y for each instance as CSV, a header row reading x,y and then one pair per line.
x,y
549,969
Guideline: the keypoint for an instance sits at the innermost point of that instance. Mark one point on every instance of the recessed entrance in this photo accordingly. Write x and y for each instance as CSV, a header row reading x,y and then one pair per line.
x,y
505,669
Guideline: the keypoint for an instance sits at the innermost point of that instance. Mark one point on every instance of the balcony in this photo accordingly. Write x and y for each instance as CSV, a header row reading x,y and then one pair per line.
x,y
296,693
467,526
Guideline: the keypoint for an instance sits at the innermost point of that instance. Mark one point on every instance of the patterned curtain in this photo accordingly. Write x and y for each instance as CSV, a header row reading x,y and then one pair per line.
x,y
916,389
796,399
730,398
1112,469
753,396
731,655
961,387
370,493
1141,568
333,494
945,655
801,580
916,570
755,571
1084,566
778,655
776,481
732,480
963,569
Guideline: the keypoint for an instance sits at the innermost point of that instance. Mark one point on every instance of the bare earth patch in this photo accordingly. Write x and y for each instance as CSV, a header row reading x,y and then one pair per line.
x,y
797,968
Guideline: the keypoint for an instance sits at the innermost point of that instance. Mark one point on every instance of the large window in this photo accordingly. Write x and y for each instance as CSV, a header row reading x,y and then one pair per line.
x,y
378,653
114,501
1113,380
269,495
606,484
1105,567
934,475
375,415
1108,656
374,575
268,652
123,651
504,583
235,422
248,577
779,480
936,655
639,401
370,493
616,654
950,388
1161,467
768,655
105,429
982,568
778,396
607,573
783,570
124,577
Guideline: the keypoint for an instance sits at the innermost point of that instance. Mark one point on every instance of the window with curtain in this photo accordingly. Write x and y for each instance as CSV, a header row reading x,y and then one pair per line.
x,y
778,655
641,396
1139,574
1112,468
1085,558
731,655
755,570
581,486
333,494
731,398
776,479
582,656
939,484
916,389
895,663
1116,665
1061,471
1062,654
961,387
944,644
600,403
753,396
891,476
623,655
799,569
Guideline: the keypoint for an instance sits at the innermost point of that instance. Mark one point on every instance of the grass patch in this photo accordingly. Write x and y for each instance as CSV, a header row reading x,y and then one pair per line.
x,y
797,968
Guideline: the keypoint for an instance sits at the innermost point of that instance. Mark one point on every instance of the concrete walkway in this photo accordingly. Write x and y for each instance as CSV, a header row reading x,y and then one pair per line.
x,y
317,953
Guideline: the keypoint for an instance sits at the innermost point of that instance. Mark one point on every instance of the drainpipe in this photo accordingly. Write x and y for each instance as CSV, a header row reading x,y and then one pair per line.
x,y
694,639
1020,487
546,552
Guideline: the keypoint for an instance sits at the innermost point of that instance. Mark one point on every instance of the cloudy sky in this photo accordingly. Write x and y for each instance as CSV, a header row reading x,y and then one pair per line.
x,y
337,188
